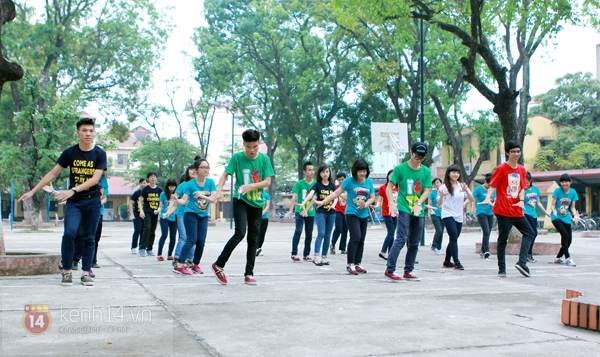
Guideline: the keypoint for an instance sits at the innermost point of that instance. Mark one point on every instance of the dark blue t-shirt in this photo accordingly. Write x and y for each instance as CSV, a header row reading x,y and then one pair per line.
x,y
83,164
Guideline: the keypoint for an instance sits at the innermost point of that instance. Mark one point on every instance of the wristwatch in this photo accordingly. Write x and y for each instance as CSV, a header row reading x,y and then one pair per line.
x,y
74,189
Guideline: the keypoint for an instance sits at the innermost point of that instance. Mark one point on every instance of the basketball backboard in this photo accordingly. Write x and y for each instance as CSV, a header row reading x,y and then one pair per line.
x,y
389,137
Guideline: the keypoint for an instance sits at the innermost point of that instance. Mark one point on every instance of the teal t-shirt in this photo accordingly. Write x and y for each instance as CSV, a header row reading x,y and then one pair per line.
x,y
411,185
267,199
480,193
165,203
248,171
198,206
179,191
433,196
301,189
357,192
563,204
532,195
104,184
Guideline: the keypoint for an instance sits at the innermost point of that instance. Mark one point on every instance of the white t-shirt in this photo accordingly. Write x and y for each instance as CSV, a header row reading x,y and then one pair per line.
x,y
453,204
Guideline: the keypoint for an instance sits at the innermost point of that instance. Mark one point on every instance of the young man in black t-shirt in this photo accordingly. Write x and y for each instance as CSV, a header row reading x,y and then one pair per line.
x,y
87,162
135,207
151,198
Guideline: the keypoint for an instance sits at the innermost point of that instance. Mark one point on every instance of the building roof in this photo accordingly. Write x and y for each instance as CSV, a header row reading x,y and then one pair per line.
x,y
589,177
544,185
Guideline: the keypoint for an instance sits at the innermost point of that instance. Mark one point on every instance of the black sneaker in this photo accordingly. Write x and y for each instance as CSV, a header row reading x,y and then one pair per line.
x,y
447,265
486,255
87,280
531,259
67,279
502,274
523,269
75,265
95,266
458,266
258,250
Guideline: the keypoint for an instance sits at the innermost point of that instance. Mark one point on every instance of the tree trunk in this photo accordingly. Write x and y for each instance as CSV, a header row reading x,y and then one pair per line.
x,y
2,247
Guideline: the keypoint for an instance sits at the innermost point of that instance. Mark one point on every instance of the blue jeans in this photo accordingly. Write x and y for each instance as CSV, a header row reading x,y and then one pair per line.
x,y
138,226
486,222
439,232
453,228
409,230
182,240
195,229
357,227
300,221
86,211
504,226
341,228
390,225
324,227
167,227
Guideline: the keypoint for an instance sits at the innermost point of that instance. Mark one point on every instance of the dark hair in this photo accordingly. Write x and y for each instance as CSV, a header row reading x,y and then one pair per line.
x,y
142,180
512,144
85,121
250,135
198,162
321,169
387,177
150,173
565,177
170,182
308,163
436,179
447,182
197,157
358,165
528,178
340,174
488,177
186,176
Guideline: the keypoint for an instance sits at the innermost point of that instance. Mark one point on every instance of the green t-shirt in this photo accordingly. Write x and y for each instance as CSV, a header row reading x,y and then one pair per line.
x,y
248,171
301,189
411,184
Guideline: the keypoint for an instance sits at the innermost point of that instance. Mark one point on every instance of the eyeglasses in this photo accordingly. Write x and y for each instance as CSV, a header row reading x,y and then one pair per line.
x,y
204,167
515,152
419,157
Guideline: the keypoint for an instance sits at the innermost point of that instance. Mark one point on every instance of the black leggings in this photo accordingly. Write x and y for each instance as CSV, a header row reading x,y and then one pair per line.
x,y
566,237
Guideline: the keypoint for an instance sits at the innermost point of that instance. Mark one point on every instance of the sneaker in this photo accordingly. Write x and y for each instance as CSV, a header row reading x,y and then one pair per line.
x,y
458,266
67,279
249,279
481,254
523,269
343,251
502,274
570,262
150,253
411,277
92,275
196,269
142,252
332,249
559,261
95,266
258,251
360,269
438,252
60,268
170,257
308,259
296,259
75,265
486,255
87,280
182,269
393,277
219,274
133,251
531,259
433,248
350,268
446,264
160,258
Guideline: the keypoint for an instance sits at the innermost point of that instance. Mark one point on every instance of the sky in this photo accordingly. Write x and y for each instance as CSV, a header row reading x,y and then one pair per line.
x,y
573,50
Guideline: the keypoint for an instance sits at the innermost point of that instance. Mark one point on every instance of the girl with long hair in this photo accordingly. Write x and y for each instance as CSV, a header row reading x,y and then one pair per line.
x,y
167,224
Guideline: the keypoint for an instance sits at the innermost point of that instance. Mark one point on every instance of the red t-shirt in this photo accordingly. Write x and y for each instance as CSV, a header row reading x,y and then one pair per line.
x,y
340,206
508,183
385,208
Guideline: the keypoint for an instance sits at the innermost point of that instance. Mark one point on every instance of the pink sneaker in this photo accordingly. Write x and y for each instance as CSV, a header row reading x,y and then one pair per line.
x,y
411,277
360,269
249,279
393,277
182,269
351,269
296,259
196,269
219,274
308,259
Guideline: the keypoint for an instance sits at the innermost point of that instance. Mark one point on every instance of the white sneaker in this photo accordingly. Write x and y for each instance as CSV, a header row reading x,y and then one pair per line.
x,y
437,251
133,251
570,262
559,261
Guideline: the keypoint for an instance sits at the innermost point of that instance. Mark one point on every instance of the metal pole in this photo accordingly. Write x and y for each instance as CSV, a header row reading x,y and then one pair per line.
x,y
231,183
12,204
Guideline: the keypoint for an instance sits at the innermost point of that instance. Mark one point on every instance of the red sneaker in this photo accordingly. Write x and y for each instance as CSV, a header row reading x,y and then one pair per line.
x,y
160,258
393,277
249,279
182,269
219,274
170,257
351,269
411,277
196,269
360,269
296,259
308,259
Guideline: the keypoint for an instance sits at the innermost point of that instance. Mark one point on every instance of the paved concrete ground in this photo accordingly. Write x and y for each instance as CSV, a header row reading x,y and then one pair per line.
x,y
139,307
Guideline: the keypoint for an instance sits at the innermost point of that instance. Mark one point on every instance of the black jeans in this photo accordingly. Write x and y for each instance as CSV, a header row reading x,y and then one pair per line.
x,y
138,228
439,232
533,223
263,231
453,228
504,226
243,215
486,222
566,237
341,228
98,235
149,234
357,227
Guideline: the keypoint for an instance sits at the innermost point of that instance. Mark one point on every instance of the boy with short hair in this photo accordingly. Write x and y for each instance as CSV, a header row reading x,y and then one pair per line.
x,y
151,198
253,172
304,214
135,207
